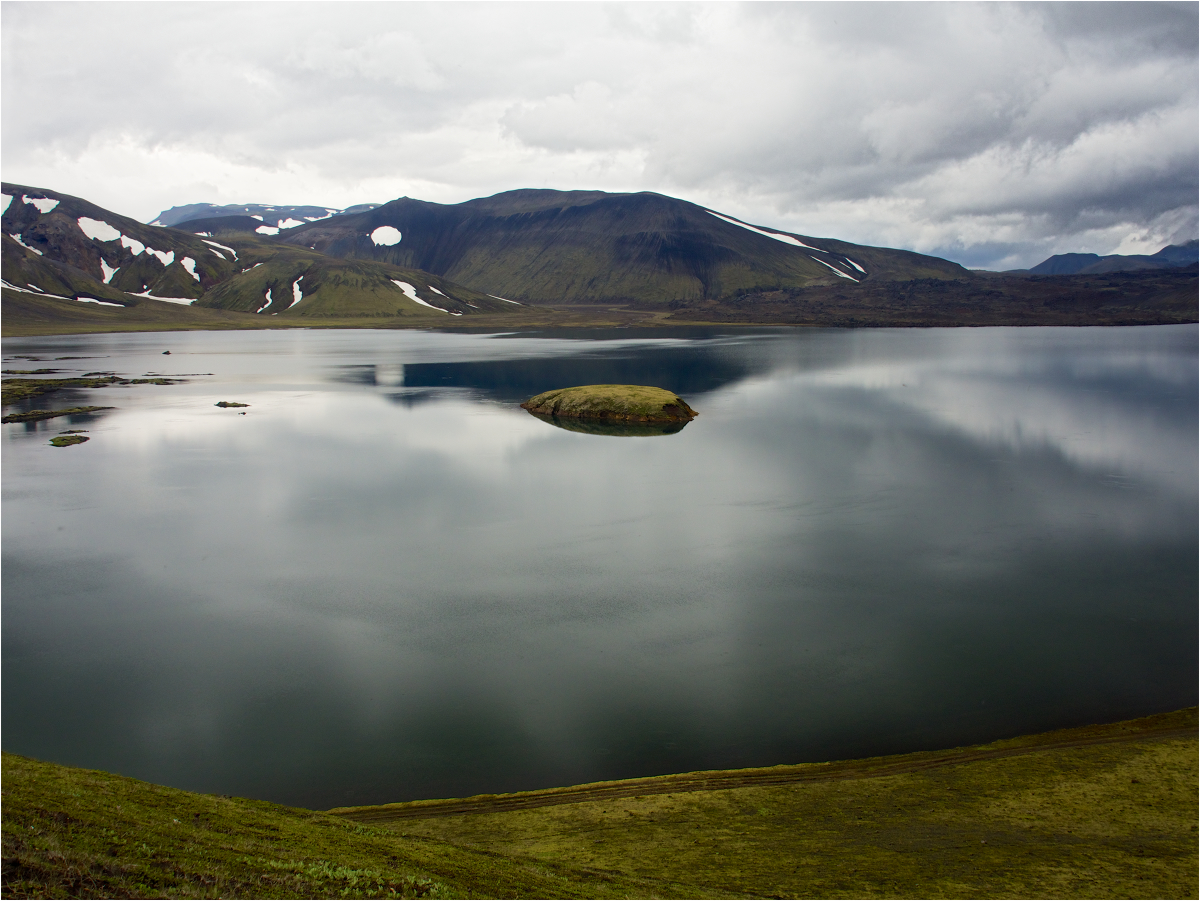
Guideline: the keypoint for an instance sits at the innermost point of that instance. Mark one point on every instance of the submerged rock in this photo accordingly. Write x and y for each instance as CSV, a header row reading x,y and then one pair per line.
x,y
612,403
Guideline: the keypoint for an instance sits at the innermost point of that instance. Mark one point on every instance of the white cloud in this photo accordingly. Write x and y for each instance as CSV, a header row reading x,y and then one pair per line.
x,y
992,133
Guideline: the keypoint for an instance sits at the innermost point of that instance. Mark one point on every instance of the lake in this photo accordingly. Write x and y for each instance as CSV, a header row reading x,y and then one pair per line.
x,y
386,581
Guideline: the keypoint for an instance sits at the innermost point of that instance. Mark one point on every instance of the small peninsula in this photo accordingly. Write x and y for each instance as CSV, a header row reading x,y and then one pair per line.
x,y
623,403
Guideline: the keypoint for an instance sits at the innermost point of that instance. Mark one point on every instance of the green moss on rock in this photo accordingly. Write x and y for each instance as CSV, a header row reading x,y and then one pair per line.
x,y
625,403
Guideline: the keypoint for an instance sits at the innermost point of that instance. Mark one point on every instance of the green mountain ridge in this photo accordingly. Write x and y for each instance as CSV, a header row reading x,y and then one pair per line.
x,y
556,247
58,248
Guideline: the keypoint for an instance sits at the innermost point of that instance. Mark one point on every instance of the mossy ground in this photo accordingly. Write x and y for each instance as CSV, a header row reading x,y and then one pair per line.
x,y
1102,812
81,833
636,403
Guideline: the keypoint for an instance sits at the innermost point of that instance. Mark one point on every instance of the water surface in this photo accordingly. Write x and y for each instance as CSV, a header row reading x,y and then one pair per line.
x,y
387,581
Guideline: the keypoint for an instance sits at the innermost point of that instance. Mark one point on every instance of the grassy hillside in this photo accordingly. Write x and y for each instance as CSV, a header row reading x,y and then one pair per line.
x,y
1098,812
59,249
592,247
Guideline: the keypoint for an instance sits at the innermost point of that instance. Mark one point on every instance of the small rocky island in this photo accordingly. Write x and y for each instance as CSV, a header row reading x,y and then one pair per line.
x,y
612,403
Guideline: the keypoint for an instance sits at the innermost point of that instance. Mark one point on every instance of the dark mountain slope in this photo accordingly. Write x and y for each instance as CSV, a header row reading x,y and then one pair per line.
x,y
112,250
61,252
594,247
268,214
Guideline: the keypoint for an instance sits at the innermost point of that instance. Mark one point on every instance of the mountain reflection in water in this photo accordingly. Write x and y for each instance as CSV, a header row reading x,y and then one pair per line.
x,y
387,581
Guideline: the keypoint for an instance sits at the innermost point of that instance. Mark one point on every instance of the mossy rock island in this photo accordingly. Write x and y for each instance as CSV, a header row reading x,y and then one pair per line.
x,y
612,403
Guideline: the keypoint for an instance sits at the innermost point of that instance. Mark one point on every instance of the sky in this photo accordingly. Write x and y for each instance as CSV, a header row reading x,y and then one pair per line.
x,y
990,134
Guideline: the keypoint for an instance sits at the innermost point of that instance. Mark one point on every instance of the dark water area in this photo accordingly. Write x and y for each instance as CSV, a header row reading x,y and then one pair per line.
x,y
386,581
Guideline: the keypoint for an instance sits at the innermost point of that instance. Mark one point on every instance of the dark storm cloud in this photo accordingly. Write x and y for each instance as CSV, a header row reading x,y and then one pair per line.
x,y
995,134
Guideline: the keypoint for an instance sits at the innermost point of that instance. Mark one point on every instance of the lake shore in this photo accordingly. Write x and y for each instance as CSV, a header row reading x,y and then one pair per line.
x,y
1159,297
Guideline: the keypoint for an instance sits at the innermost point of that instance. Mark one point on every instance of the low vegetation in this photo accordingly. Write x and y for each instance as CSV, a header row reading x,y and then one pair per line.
x,y
67,440
629,403
37,415
1098,812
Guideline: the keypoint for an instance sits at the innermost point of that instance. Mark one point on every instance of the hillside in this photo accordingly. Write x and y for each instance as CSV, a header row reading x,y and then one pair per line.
x,y
265,214
1171,256
62,252
564,247
1094,812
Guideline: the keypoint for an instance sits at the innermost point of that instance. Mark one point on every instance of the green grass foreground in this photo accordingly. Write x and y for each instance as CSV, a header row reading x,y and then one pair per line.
x,y
1098,812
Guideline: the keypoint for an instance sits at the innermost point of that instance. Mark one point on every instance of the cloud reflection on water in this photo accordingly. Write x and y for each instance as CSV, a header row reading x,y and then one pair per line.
x,y
866,542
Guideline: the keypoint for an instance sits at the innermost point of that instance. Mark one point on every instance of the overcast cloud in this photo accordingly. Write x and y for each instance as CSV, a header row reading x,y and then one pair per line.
x,y
994,135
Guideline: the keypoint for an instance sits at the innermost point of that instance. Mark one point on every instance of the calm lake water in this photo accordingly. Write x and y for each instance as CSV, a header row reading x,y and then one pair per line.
x,y
386,581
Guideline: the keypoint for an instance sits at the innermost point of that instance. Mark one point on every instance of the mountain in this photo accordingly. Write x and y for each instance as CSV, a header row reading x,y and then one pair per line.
x,y
541,246
60,248
266,214
1091,263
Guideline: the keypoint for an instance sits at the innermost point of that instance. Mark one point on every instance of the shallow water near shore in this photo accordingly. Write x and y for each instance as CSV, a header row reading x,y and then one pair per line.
x,y
386,581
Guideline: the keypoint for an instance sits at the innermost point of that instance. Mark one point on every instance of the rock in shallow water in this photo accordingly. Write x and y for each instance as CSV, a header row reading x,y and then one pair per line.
x,y
622,403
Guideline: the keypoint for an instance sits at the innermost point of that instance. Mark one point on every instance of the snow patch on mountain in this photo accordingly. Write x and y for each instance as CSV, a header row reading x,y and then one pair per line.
x,y
266,229
267,304
786,239
17,238
297,294
186,301
166,257
108,270
289,223
36,292
856,266
223,247
436,291
387,236
505,299
103,303
190,265
97,229
411,293
835,269
132,244
256,216
8,198
44,204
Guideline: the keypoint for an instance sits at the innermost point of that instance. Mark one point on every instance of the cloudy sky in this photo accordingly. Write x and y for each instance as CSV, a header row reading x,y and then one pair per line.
x,y
991,134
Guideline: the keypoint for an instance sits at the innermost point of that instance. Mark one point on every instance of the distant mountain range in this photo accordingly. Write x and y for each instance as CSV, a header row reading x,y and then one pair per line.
x,y
506,256
62,248
1169,257
272,216
556,247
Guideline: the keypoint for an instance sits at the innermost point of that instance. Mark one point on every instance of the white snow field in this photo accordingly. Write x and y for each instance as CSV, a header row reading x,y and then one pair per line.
x,y
103,303
36,292
856,266
133,244
7,201
386,235
411,293
108,270
290,222
297,294
266,229
186,301
44,204
97,229
435,290
505,299
835,269
223,247
17,238
267,304
786,239
190,265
